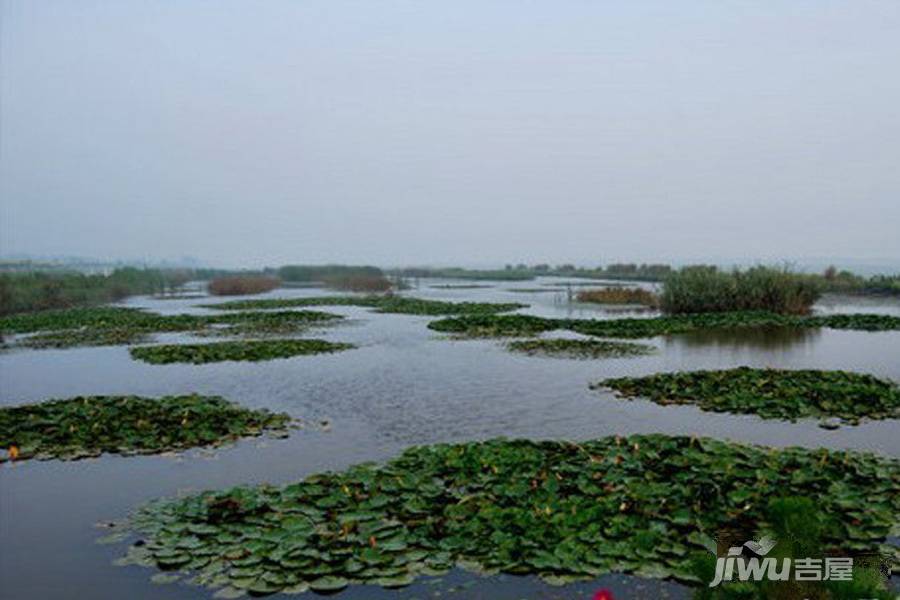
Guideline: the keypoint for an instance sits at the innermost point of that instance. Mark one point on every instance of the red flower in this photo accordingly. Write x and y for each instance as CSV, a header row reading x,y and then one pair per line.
x,y
603,594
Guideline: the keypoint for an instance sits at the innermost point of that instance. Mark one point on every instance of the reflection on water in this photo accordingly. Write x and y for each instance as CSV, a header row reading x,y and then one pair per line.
x,y
763,339
405,385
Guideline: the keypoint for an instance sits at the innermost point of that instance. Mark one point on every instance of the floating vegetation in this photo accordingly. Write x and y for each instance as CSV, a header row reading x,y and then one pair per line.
x,y
89,426
618,295
537,290
113,326
496,325
245,350
69,318
646,504
84,337
770,393
524,325
569,348
384,304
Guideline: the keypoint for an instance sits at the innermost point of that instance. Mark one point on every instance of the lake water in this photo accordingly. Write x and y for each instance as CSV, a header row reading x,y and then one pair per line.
x,y
405,385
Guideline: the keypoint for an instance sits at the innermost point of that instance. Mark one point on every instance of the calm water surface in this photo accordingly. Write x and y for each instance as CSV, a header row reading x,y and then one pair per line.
x,y
404,385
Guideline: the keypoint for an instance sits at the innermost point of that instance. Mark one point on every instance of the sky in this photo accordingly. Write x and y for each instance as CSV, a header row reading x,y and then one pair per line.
x,y
467,132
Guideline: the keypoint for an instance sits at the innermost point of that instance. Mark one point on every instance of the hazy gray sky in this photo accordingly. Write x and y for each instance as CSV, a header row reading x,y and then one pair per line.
x,y
478,132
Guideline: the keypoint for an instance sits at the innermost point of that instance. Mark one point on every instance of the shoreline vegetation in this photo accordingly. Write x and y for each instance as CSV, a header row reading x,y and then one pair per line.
x,y
649,505
242,350
831,280
29,287
88,426
518,325
836,397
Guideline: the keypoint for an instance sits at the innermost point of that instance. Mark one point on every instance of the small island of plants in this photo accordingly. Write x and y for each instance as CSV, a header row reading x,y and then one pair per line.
x,y
769,393
579,348
490,325
101,326
89,426
381,303
243,350
618,295
645,504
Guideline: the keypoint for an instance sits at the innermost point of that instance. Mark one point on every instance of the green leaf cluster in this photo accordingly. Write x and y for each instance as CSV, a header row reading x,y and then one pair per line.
x,y
384,304
525,325
769,393
564,511
575,348
243,350
114,325
91,425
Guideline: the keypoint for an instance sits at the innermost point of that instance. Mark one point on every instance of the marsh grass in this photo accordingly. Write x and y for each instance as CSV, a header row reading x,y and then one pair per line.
x,y
619,295
706,289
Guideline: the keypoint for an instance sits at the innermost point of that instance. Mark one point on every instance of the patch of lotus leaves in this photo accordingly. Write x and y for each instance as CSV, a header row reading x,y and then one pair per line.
x,y
572,348
85,337
92,425
245,350
769,393
114,326
525,325
564,511
384,304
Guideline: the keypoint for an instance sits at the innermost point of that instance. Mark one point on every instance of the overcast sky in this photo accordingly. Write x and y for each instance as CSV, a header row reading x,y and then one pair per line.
x,y
249,133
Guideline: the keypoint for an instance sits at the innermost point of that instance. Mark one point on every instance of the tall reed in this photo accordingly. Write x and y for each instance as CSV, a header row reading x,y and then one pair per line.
x,y
701,289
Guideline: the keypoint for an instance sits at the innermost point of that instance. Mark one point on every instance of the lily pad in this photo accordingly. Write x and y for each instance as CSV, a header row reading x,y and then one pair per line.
x,y
92,425
563,511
